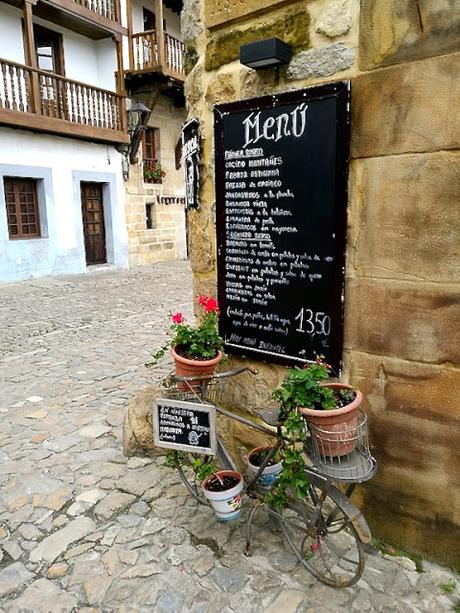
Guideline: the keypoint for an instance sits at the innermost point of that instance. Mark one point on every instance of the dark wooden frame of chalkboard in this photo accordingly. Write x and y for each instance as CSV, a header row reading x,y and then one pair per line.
x,y
209,409
342,91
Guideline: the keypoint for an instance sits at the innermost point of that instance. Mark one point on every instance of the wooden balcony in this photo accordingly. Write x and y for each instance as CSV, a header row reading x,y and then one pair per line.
x,y
145,56
44,102
93,18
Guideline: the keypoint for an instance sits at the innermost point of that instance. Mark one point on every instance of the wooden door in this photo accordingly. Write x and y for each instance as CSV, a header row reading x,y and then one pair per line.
x,y
93,223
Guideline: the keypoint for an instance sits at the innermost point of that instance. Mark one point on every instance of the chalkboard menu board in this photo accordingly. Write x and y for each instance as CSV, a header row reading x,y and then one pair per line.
x,y
186,426
281,194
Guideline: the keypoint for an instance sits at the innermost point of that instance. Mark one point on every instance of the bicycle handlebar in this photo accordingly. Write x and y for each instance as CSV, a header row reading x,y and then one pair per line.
x,y
218,376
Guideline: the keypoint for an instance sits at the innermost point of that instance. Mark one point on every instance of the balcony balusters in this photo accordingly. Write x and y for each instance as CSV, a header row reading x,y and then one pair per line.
x,y
60,98
145,54
105,8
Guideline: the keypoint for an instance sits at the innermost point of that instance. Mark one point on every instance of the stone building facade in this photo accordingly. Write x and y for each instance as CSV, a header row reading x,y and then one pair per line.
x,y
402,272
155,212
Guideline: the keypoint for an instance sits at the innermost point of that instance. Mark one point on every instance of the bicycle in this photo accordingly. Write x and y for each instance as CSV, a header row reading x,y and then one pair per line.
x,y
325,530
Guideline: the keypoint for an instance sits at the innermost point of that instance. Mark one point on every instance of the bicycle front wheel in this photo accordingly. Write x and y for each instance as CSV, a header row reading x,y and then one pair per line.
x,y
321,533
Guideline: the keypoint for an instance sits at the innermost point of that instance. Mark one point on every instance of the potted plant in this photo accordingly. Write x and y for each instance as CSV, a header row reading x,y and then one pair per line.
x,y
196,350
270,473
330,409
153,172
223,490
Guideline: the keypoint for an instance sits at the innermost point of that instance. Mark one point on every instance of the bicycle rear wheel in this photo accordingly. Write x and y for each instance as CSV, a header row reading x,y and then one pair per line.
x,y
321,533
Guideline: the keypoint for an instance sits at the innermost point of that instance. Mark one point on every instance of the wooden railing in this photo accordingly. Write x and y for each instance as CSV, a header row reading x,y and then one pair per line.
x,y
174,54
145,56
106,8
145,51
15,87
28,90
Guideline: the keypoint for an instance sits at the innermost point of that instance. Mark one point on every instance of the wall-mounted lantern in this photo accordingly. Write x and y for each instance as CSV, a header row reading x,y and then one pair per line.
x,y
137,112
265,53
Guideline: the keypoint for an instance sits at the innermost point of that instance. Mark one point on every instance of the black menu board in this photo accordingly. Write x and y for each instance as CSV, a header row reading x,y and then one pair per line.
x,y
185,426
281,194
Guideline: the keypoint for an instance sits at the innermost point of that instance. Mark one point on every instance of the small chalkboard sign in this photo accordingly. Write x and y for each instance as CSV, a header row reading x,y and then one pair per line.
x,y
185,426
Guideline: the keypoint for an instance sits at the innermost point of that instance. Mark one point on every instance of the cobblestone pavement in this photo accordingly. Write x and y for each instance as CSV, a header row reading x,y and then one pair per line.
x,y
84,529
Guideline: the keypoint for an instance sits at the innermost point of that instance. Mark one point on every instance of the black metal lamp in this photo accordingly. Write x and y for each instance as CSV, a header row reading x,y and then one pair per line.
x,y
136,115
265,53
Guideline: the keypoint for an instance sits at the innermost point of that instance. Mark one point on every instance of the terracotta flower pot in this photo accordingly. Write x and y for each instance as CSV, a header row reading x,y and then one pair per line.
x,y
193,368
334,431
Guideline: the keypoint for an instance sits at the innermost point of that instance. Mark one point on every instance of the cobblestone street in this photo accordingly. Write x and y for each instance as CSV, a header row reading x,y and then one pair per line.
x,y
82,528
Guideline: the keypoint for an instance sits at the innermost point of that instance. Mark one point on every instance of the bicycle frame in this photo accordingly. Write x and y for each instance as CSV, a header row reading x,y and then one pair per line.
x,y
315,477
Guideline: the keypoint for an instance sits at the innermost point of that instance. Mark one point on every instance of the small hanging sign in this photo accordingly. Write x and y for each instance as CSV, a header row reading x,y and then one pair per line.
x,y
191,148
184,426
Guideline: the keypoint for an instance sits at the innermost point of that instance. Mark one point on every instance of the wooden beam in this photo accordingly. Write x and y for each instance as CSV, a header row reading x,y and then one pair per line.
x,y
121,81
31,57
29,41
86,14
18,119
159,33
129,13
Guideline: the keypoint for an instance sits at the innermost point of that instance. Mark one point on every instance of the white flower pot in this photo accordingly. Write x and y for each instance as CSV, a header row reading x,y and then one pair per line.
x,y
270,473
226,504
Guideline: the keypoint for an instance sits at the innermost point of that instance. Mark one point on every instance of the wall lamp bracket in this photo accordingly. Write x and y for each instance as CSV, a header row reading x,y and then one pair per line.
x,y
265,54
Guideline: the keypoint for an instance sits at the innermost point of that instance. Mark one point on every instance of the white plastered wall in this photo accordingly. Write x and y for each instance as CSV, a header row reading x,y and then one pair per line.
x,y
63,250
86,60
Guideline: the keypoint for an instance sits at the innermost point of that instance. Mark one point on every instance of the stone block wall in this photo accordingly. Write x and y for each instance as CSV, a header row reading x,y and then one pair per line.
x,y
167,238
402,318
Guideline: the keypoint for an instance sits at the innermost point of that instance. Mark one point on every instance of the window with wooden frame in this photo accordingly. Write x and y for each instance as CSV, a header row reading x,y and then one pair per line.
x,y
49,49
22,207
149,144
150,150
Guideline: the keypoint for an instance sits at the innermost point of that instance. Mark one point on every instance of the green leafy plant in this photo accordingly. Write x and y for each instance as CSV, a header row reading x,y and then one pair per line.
x,y
203,469
449,587
302,388
293,478
389,550
201,342
153,171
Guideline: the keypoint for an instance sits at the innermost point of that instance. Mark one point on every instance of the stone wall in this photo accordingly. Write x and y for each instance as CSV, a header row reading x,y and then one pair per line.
x,y
402,290
167,238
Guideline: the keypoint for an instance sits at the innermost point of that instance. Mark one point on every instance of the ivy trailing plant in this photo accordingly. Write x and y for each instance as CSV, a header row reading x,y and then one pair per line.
x,y
293,478
301,388
201,468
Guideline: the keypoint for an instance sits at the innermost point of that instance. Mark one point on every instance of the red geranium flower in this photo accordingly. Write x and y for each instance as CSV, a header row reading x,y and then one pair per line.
x,y
209,304
177,318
